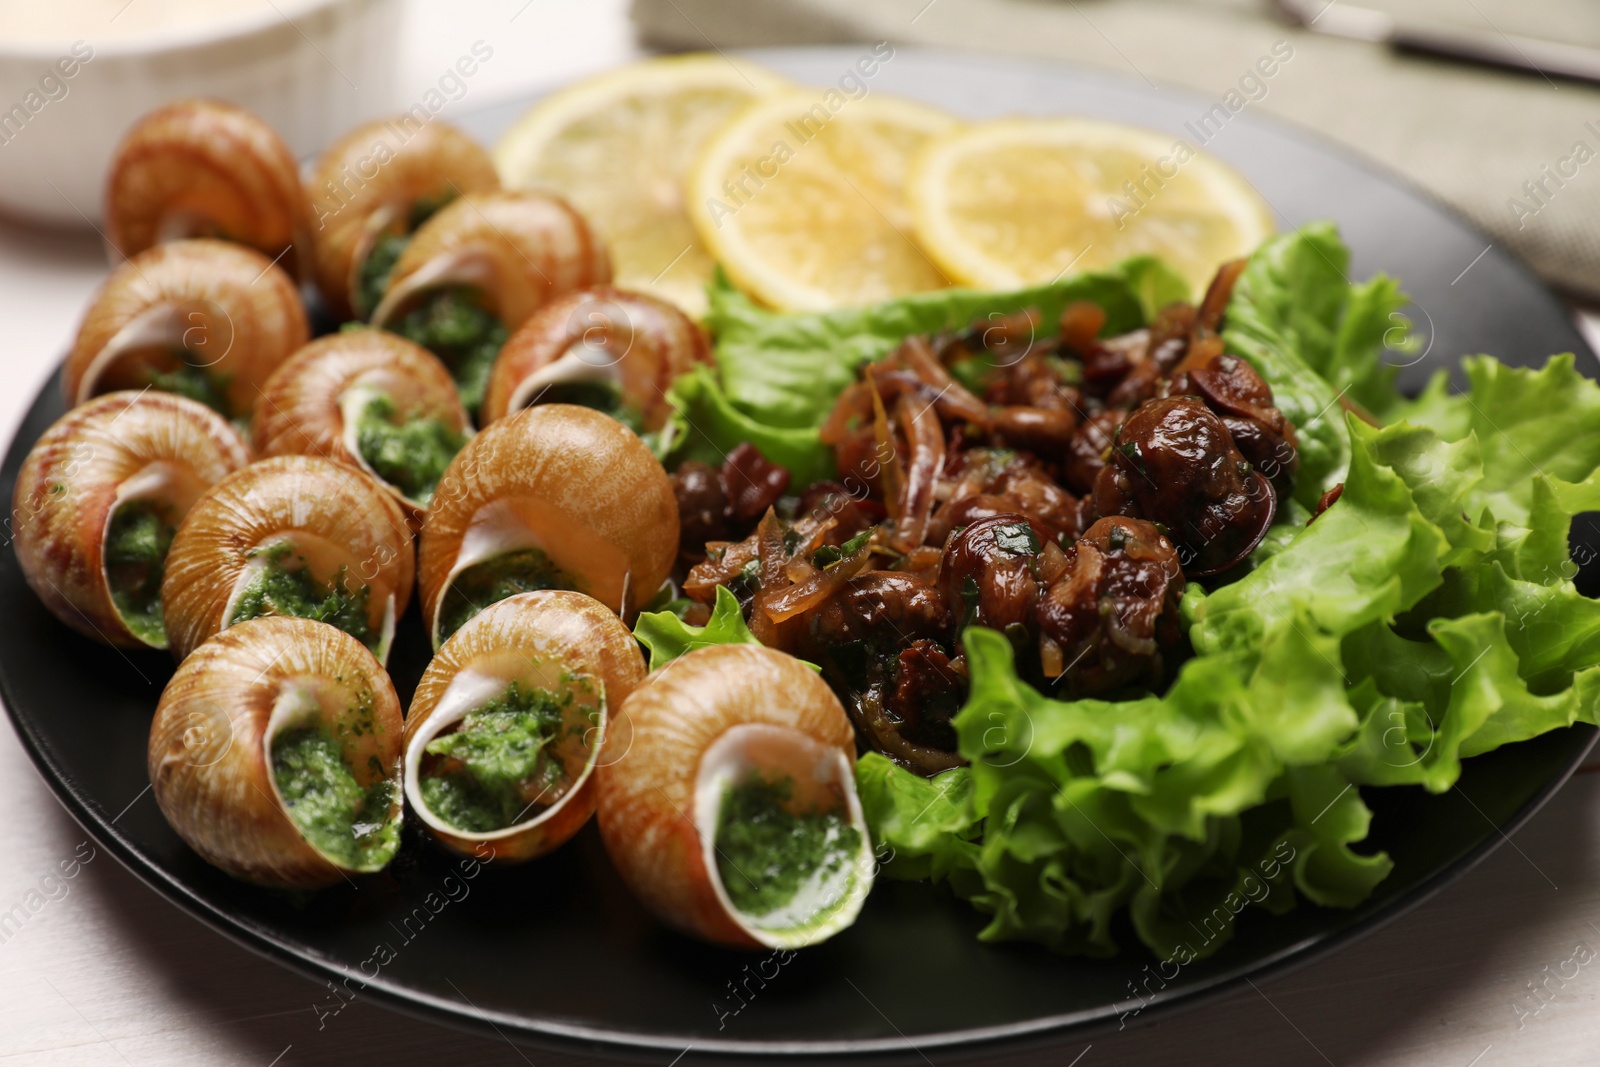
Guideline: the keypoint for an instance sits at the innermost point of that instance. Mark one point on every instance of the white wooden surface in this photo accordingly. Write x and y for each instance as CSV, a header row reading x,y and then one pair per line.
x,y
107,972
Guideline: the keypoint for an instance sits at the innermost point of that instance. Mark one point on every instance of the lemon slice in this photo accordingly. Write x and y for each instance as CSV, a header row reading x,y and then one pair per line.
x,y
1023,201
801,198
618,146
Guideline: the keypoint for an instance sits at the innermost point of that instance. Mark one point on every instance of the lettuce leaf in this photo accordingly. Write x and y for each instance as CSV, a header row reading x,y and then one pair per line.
x,y
666,637
1317,340
1528,424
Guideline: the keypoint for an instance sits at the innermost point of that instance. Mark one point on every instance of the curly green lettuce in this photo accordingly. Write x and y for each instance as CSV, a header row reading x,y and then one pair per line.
x,y
666,636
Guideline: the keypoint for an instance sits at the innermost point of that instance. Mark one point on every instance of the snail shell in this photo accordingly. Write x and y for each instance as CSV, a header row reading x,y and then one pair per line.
x,y
221,310
518,249
627,344
571,484
698,727
557,641
338,519
313,405
212,746
367,184
151,450
203,168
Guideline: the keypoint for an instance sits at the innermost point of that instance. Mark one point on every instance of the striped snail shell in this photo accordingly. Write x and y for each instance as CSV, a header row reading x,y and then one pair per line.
x,y
370,399
203,168
729,743
606,348
552,497
509,721
515,249
383,179
275,754
290,535
97,501
204,318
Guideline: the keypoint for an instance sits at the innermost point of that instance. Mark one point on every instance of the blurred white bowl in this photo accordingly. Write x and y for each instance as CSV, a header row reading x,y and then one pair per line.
x,y
312,68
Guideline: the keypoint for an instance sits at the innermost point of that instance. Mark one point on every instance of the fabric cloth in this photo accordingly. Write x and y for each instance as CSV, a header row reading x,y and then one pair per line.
x,y
1519,154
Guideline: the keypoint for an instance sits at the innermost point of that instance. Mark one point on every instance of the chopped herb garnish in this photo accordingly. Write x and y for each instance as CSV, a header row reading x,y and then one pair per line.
x,y
828,555
1017,538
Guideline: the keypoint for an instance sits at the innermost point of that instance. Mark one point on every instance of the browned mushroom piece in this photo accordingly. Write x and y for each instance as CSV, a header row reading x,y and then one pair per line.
x,y
1046,431
702,509
1090,445
751,483
989,574
1114,612
880,643
723,504
1175,464
1170,331
1231,387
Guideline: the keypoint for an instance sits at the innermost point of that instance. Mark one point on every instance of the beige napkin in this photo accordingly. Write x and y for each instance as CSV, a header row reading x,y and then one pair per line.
x,y
1503,148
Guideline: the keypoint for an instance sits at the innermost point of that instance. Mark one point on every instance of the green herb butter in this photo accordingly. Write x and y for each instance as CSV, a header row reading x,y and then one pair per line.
x,y
348,824
497,767
454,326
135,558
283,585
603,396
410,454
522,571
767,853
193,383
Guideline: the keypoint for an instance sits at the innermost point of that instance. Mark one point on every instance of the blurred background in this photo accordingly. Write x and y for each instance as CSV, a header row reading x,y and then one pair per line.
x,y
116,975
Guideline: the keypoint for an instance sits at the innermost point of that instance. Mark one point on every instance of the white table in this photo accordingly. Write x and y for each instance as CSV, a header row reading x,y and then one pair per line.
x,y
110,973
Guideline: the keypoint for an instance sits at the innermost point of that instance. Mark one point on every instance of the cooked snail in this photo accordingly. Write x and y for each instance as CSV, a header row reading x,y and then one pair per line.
x,y
508,723
603,348
1113,611
97,501
204,319
290,535
203,168
552,497
733,812
476,270
275,753
370,192
1176,464
370,399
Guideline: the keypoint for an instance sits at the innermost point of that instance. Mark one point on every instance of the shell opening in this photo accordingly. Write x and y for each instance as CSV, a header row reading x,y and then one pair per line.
x,y
382,239
172,347
410,453
472,268
327,775
588,375
459,322
518,545
138,533
511,740
785,841
301,574
179,224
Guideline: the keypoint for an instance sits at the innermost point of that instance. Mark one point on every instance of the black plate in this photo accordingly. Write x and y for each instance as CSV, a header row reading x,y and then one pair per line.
x,y
557,952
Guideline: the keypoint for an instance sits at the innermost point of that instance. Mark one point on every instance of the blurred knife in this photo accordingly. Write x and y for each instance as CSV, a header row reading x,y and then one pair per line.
x,y
1491,47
